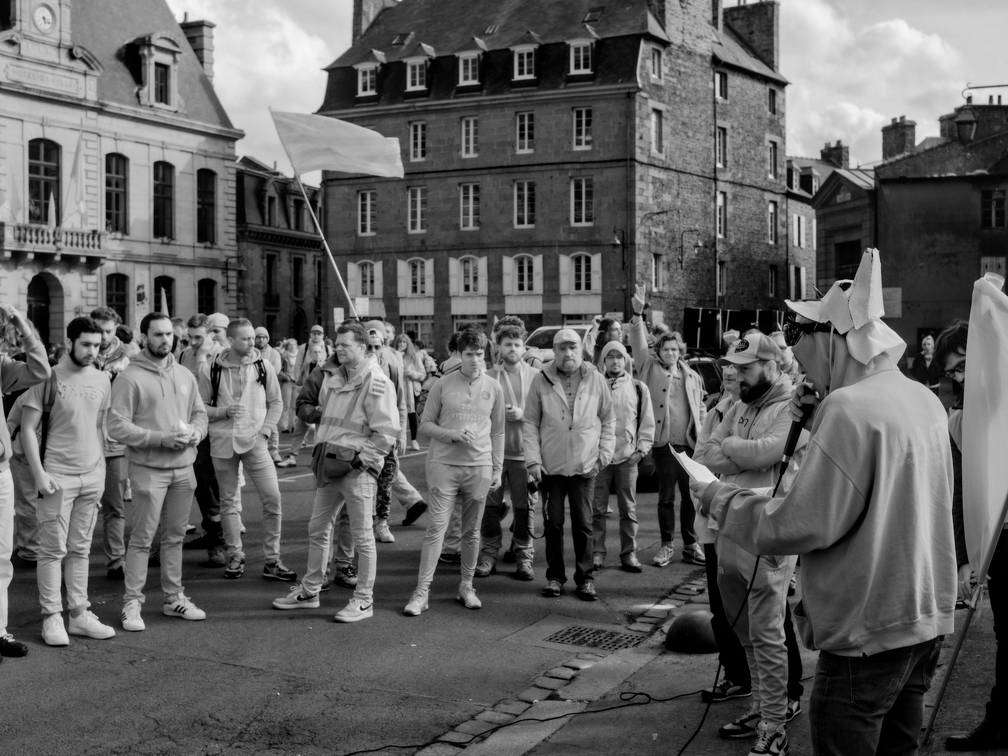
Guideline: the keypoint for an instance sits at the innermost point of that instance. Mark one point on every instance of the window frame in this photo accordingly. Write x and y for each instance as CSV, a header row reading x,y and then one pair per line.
x,y
418,277
660,75
418,141
581,125
468,276
773,159
722,215
416,66
524,203
116,299
469,206
46,172
584,261
721,146
161,89
416,210
163,199
201,296
529,127
657,272
470,60
580,50
721,282
721,85
366,197
523,57
524,274
587,191
773,221
469,126
657,131
116,194
366,284
773,281
772,100
206,207
367,81
992,208
167,283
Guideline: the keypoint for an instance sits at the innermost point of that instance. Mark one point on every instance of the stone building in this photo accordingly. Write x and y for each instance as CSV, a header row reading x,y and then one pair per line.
x,y
116,162
557,154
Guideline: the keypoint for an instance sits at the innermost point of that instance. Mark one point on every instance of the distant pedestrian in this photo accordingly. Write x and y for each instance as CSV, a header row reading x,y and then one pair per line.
x,y
925,368
274,358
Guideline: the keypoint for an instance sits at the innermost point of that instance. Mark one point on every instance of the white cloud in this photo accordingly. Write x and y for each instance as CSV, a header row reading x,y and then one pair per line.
x,y
847,82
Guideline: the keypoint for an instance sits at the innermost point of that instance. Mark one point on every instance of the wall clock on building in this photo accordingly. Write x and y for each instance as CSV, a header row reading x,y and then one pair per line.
x,y
44,18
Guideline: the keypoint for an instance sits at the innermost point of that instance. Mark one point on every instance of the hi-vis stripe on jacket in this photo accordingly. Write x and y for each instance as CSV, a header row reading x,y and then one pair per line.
x,y
358,411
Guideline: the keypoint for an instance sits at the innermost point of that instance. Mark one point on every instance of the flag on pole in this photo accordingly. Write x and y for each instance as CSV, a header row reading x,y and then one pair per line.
x,y
316,142
164,302
75,206
51,212
985,419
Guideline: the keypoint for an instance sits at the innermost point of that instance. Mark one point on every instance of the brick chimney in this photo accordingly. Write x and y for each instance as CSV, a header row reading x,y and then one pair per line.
x,y
899,138
758,24
717,14
364,14
200,35
838,154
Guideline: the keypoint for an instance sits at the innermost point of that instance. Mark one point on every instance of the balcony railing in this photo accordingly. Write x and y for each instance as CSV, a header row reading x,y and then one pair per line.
x,y
37,236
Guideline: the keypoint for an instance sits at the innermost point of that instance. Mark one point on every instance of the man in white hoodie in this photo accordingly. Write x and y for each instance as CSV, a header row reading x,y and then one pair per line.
x,y
243,400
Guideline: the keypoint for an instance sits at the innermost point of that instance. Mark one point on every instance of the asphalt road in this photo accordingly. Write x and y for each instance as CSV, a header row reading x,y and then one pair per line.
x,y
259,681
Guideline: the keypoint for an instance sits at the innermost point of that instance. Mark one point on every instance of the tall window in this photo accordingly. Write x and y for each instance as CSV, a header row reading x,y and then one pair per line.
x,y
722,214
418,140
721,85
417,209
580,58
721,144
206,207
271,211
772,222
117,293
772,148
524,274
416,75
366,213
581,265
43,181
524,63
298,213
319,280
772,101
582,128
297,277
162,84
992,209
525,132
365,272
524,215
657,272
656,63
164,200
116,185
469,275
657,139
272,298
469,206
722,278
582,202
165,285
470,136
418,277
772,282
367,81
206,296
469,69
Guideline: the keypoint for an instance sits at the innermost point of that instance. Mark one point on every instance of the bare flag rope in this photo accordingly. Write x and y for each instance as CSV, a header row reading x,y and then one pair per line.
x,y
315,143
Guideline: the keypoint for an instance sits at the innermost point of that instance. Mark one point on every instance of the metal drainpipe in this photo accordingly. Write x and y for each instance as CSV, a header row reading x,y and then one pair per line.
x,y
631,232
717,242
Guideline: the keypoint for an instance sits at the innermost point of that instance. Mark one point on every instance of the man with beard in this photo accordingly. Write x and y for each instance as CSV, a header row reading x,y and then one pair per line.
x,y
747,449
70,479
158,414
569,433
112,360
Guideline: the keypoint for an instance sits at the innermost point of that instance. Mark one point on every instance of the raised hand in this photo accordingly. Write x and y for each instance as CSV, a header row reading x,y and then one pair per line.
x,y
637,302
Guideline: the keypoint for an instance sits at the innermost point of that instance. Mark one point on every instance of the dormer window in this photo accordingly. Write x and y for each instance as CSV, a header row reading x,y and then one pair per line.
x,y
468,69
524,63
159,56
593,15
367,81
416,75
580,57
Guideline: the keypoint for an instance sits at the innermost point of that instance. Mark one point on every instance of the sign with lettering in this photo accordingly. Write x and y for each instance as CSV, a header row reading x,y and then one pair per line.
x,y
55,82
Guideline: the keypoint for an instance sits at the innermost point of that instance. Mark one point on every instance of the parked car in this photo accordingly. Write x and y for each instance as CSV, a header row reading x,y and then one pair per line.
x,y
540,341
710,372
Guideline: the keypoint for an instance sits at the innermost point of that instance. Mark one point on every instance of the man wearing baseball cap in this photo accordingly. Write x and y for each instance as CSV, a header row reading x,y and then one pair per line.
x,y
569,431
870,514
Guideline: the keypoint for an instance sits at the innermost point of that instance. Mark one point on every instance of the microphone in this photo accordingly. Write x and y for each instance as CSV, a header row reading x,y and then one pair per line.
x,y
795,432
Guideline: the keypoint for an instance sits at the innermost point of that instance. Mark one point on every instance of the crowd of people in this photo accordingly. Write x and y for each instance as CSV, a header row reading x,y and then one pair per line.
x,y
200,407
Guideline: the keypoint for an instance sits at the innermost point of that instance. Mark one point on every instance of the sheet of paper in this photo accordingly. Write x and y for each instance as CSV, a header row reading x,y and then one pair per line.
x,y
695,470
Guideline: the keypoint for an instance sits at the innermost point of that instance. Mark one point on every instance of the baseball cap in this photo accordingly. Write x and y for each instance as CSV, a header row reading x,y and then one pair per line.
x,y
218,320
566,336
757,346
375,325
317,329
614,346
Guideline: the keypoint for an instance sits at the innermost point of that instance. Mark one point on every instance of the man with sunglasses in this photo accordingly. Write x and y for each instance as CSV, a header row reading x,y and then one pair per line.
x,y
870,514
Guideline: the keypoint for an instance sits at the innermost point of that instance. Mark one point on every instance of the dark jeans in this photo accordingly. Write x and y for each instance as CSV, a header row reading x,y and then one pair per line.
x,y
730,652
387,476
412,425
670,475
997,590
579,491
207,492
871,704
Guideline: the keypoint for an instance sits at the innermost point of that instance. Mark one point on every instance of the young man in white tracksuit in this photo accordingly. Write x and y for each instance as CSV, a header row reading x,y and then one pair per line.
x,y
242,396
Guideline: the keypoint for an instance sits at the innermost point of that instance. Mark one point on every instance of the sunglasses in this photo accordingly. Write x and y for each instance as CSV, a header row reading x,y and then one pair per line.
x,y
793,330
957,370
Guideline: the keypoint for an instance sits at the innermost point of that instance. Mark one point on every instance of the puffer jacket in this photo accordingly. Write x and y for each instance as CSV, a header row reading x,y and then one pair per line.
x,y
236,378
633,433
562,444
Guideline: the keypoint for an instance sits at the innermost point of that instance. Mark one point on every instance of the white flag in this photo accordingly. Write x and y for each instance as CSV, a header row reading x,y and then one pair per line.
x,y
316,142
75,206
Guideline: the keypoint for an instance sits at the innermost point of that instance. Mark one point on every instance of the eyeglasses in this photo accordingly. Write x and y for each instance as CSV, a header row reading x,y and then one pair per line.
x,y
793,330
959,369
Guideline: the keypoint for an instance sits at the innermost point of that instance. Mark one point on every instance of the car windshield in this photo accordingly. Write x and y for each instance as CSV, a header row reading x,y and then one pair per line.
x,y
542,340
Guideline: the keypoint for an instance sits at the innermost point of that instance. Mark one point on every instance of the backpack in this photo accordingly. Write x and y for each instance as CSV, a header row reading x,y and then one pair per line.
x,y
215,374
50,398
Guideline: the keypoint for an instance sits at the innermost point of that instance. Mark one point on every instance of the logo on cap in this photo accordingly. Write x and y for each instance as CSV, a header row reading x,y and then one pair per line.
x,y
741,346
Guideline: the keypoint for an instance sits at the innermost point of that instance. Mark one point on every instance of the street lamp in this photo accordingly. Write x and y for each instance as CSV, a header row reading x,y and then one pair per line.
x,y
697,248
619,242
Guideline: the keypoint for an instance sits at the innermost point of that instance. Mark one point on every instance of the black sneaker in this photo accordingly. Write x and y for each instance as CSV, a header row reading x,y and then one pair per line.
x,y
235,568
986,736
12,648
586,591
414,512
277,571
724,691
448,558
743,727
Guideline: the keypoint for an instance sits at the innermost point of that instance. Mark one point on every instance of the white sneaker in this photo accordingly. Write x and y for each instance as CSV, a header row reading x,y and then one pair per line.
x,y
288,461
355,611
90,626
53,632
770,742
467,596
295,600
183,608
664,556
417,604
382,532
131,620
414,445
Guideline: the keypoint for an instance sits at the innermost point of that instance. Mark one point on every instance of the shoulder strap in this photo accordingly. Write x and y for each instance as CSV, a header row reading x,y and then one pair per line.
x,y
261,371
640,402
50,399
215,374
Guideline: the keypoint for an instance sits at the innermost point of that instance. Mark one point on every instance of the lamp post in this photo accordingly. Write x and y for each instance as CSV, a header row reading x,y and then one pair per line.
x,y
619,242
697,248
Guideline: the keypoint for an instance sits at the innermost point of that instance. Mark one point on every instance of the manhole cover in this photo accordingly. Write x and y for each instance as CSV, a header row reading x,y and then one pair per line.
x,y
593,637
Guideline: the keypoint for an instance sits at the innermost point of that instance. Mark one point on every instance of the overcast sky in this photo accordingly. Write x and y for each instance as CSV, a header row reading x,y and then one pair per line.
x,y
852,64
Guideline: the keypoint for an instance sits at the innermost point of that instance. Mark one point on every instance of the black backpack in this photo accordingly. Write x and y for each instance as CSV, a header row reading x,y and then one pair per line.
x,y
215,374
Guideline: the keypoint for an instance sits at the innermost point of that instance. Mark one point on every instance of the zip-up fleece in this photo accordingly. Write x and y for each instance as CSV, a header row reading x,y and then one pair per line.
x,y
514,444
236,378
562,444
631,435
146,402
112,362
17,376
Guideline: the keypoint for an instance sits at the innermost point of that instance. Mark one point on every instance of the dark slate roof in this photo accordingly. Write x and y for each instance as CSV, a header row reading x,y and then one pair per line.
x,y
106,27
731,50
863,178
982,157
450,25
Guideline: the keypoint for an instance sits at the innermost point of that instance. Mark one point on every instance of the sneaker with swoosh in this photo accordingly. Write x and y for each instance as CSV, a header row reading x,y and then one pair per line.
x,y
295,599
770,741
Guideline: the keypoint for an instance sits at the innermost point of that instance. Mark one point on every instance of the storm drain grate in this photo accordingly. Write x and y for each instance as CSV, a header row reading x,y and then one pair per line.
x,y
593,637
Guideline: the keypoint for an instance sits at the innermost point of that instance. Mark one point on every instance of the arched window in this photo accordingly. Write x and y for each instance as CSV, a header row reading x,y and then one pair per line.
x,y
116,193
366,272
164,292
206,296
116,293
418,277
581,267
523,271
43,182
469,275
164,200
206,207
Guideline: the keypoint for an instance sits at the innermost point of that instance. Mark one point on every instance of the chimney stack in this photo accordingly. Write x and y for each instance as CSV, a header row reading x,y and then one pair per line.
x,y
759,25
200,35
839,154
717,14
364,14
899,138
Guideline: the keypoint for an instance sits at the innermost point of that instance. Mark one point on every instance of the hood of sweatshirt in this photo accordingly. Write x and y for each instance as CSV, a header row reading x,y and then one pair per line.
x,y
227,358
116,351
143,361
618,381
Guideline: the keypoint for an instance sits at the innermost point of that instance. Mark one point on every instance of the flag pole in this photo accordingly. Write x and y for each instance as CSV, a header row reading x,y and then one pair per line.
x,y
974,601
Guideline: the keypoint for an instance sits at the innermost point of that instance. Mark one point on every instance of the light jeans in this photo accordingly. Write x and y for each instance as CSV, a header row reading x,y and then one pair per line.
x,y
158,494
66,524
404,491
298,437
114,512
625,475
25,504
453,534
289,392
515,476
446,482
259,468
6,542
356,492
761,627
